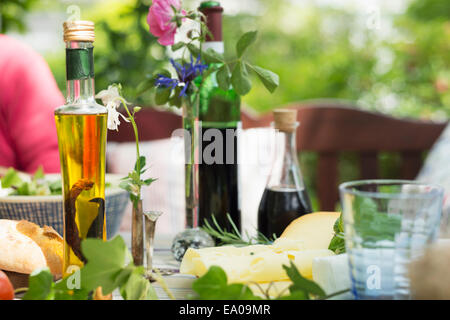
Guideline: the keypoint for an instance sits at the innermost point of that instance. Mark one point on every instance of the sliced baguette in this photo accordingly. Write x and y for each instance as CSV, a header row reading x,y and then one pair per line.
x,y
25,247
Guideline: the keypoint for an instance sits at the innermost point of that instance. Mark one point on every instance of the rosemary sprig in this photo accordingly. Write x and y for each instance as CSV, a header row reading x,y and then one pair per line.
x,y
234,237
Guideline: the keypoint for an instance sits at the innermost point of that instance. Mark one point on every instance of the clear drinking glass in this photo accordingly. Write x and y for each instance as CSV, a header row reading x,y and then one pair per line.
x,y
387,223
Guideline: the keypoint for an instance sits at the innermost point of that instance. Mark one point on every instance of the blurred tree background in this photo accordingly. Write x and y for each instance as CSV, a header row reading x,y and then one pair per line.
x,y
395,63
318,51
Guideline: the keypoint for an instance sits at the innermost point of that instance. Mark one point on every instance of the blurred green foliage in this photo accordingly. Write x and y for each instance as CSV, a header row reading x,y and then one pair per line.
x,y
124,51
12,14
321,52
318,51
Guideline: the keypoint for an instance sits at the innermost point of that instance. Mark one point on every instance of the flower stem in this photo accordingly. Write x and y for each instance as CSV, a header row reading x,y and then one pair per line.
x,y
136,134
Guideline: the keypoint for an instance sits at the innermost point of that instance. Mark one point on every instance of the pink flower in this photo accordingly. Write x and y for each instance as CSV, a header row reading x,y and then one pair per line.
x,y
159,19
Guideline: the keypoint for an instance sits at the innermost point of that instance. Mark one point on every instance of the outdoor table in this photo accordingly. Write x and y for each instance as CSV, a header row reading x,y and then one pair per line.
x,y
179,284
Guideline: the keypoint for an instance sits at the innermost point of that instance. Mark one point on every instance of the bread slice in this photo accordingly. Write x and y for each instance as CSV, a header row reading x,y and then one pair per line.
x,y
25,247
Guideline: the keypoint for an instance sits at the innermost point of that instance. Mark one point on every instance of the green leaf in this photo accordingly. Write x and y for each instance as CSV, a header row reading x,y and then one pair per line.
x,y
211,282
71,294
269,79
178,46
145,85
239,79
300,283
39,174
223,77
142,162
296,295
338,225
125,184
194,50
149,181
162,95
40,285
24,189
208,56
245,41
137,287
337,243
213,286
55,187
212,56
175,99
162,72
11,178
373,225
105,261
105,268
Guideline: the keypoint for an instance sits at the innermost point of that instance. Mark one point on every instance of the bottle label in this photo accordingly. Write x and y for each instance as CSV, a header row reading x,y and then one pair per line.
x,y
79,63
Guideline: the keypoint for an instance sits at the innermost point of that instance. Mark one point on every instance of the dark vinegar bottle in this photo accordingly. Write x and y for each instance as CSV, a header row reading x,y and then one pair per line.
x,y
285,197
219,113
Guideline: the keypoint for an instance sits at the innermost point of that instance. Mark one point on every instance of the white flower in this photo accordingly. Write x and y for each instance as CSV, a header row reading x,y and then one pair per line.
x,y
111,99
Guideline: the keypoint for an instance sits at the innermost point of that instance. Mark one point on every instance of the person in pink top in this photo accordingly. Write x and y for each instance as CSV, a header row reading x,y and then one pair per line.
x,y
28,97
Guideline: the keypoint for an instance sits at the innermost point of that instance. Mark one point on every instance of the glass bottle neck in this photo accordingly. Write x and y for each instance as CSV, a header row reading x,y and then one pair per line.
x,y
285,173
79,72
288,154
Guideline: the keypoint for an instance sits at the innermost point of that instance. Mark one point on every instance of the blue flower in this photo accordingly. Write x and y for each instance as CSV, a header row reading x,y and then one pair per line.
x,y
186,74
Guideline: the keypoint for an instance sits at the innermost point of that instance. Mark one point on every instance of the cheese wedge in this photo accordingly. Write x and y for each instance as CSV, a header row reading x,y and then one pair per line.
x,y
315,230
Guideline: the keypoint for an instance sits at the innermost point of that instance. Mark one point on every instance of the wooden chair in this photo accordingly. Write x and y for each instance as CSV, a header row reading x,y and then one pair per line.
x,y
328,128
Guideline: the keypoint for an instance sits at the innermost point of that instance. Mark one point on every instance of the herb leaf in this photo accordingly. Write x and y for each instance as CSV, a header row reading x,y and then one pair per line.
x,y
40,285
106,267
269,79
137,287
239,79
234,237
223,77
337,243
162,95
301,284
105,261
213,286
245,41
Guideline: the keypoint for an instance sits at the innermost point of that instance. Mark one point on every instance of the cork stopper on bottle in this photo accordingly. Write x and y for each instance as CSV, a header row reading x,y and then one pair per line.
x,y
285,119
79,31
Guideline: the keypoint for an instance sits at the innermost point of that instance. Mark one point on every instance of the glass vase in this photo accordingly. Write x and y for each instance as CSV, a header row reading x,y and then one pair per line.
x,y
137,234
191,136
192,236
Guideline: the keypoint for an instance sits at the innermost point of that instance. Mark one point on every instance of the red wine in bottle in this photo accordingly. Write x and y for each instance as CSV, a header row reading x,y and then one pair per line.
x,y
219,113
285,197
279,206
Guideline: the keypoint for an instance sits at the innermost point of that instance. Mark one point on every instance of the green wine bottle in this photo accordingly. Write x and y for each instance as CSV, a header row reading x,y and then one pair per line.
x,y
219,113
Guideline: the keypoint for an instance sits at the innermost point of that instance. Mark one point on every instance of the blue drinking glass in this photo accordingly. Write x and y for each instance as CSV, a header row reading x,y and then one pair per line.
x,y
387,223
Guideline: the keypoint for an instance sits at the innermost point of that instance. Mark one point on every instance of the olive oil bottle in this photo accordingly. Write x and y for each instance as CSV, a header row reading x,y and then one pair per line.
x,y
81,125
